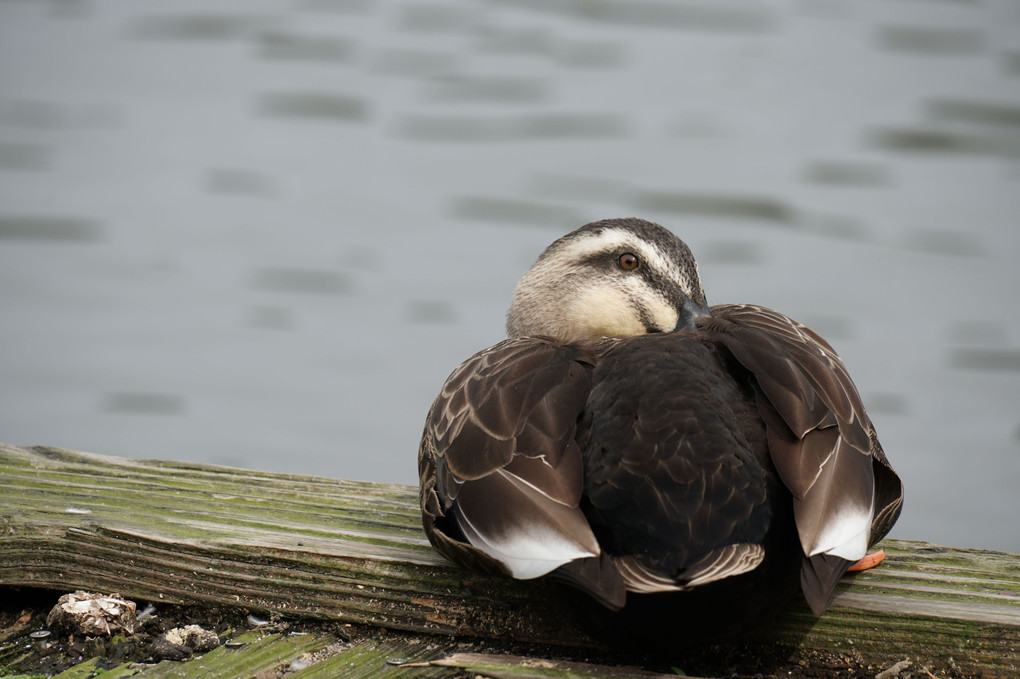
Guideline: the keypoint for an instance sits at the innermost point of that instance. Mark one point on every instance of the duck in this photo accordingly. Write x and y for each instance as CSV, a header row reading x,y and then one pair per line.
x,y
676,471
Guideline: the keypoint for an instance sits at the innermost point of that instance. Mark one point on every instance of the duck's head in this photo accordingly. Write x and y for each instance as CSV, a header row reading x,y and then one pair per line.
x,y
613,278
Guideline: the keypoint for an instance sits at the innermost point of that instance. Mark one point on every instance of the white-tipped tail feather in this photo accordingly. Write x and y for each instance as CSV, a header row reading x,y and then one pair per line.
x,y
846,534
835,515
529,551
539,536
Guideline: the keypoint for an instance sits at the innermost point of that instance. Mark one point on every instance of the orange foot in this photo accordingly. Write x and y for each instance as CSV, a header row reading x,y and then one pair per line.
x,y
869,561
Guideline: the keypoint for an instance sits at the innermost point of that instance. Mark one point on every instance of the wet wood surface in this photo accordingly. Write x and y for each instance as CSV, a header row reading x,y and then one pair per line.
x,y
354,552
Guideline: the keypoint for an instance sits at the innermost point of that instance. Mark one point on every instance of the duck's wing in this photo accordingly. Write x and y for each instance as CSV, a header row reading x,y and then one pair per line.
x,y
846,495
500,471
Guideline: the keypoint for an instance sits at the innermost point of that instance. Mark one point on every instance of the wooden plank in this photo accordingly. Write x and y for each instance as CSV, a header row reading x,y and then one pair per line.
x,y
354,552
379,659
521,667
271,652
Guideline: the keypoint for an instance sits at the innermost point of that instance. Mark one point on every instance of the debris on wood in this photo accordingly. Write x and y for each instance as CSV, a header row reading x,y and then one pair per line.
x,y
894,671
182,642
92,615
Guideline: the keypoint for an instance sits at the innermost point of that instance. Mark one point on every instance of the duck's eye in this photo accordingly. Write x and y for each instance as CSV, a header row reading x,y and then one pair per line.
x,y
628,261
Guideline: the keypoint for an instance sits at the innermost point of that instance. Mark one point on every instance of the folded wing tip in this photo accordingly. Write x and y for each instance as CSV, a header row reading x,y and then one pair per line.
x,y
527,551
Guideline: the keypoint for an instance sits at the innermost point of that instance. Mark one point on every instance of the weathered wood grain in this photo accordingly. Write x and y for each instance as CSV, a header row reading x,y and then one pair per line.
x,y
354,552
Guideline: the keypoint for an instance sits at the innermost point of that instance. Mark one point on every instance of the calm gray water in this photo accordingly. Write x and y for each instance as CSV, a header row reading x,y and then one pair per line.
x,y
262,233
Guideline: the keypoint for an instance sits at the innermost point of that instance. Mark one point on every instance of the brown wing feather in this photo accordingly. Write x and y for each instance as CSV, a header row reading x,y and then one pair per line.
x,y
500,472
846,495
888,492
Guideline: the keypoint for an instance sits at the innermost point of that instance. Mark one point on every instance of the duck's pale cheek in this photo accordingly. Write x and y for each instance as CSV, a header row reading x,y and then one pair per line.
x,y
663,315
605,312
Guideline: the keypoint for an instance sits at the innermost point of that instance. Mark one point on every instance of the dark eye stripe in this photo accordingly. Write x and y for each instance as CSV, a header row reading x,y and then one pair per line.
x,y
666,286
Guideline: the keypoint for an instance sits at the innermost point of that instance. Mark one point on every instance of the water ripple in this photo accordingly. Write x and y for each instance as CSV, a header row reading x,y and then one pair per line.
x,y
49,229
